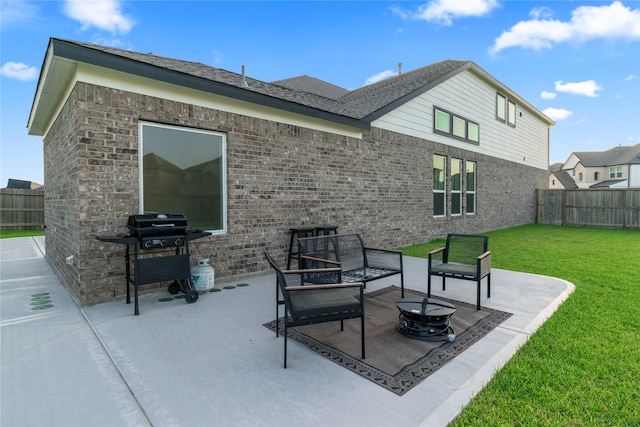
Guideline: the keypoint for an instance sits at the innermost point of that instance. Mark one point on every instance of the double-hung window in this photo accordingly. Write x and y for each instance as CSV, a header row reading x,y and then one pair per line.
x,y
615,172
462,186
183,170
456,187
439,186
471,187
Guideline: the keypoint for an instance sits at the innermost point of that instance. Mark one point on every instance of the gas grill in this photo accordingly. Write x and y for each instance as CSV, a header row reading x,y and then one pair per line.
x,y
152,236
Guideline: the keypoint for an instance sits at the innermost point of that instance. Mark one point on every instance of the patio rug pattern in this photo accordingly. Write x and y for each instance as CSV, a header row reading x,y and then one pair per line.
x,y
394,361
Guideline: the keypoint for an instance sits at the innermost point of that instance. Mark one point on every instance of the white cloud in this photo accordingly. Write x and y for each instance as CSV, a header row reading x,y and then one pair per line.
x,y
557,113
102,14
631,77
380,76
614,21
548,95
18,11
541,12
445,11
586,88
19,71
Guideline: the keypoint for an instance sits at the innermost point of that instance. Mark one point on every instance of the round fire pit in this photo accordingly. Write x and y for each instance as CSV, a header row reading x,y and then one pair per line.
x,y
425,319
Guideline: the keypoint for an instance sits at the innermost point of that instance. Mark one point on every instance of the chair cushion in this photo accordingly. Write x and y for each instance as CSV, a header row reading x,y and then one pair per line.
x,y
455,269
322,302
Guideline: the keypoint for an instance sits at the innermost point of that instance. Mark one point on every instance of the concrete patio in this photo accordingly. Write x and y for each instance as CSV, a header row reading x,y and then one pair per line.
x,y
212,363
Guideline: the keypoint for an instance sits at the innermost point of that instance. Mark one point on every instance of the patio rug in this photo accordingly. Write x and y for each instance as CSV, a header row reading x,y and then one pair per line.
x,y
393,360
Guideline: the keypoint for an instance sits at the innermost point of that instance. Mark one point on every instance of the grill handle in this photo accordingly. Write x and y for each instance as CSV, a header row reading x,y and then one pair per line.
x,y
162,225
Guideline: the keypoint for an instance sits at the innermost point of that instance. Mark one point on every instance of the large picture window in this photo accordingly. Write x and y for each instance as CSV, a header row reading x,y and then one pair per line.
x,y
183,170
439,185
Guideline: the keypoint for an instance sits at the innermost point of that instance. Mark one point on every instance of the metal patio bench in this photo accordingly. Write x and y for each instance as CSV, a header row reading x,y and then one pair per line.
x,y
359,263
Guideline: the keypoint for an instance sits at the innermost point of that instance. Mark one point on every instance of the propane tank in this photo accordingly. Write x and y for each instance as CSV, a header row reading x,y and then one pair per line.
x,y
202,275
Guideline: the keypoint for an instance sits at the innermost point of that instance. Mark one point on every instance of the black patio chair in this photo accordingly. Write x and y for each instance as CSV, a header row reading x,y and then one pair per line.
x,y
306,304
466,257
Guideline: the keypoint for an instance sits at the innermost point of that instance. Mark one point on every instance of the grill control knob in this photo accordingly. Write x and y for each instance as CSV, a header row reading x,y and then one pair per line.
x,y
179,242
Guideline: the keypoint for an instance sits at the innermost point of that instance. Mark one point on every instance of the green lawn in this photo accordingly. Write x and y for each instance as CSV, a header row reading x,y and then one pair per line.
x,y
23,233
582,367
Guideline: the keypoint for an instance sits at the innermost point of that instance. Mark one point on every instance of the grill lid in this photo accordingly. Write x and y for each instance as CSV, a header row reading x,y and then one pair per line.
x,y
157,224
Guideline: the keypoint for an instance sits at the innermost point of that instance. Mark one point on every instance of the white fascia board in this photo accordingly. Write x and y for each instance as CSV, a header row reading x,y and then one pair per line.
x,y
53,89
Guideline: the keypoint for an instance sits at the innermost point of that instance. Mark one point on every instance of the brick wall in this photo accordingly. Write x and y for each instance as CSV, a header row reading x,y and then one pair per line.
x,y
278,176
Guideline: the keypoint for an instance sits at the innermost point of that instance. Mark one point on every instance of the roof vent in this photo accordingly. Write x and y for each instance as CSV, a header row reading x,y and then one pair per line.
x,y
399,68
243,81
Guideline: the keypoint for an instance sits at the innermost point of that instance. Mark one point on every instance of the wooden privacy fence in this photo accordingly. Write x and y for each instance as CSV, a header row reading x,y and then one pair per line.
x,y
594,208
21,209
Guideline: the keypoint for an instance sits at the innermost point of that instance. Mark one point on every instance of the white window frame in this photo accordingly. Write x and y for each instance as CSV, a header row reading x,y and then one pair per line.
x,y
615,172
442,191
471,191
223,149
456,194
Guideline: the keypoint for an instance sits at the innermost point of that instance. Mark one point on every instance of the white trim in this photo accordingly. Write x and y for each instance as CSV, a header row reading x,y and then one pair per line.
x,y
149,87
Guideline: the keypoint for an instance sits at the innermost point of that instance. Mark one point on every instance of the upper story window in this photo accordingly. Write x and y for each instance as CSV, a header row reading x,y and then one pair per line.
x,y
184,171
595,176
501,108
511,113
455,126
505,110
615,172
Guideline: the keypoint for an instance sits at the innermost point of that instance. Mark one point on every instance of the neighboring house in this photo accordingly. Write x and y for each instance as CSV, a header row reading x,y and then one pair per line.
x,y
443,148
559,179
618,167
22,184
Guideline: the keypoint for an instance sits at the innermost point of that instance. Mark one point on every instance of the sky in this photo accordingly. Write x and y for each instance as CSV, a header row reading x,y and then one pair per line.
x,y
577,61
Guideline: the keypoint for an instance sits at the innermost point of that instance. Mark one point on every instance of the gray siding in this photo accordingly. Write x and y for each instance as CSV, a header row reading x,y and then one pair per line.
x,y
468,95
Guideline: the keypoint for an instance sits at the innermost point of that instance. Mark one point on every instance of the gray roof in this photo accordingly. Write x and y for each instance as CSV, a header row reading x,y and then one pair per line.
x,y
372,101
565,179
302,95
555,166
607,184
313,85
620,155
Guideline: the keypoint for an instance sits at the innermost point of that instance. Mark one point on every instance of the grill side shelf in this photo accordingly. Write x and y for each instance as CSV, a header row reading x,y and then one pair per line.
x,y
122,240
